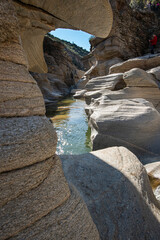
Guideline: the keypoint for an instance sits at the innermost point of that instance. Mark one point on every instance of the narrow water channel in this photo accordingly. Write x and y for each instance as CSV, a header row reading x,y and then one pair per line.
x,y
70,122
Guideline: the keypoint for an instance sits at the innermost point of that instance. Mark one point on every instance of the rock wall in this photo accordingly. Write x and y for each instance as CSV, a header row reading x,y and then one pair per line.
x,y
128,38
36,201
62,74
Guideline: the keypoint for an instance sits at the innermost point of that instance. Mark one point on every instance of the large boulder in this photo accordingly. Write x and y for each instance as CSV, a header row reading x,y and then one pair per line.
x,y
116,189
145,62
132,123
155,72
137,77
110,82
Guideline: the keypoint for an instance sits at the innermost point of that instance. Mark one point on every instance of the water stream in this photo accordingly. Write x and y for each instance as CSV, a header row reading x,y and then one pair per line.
x,y
72,128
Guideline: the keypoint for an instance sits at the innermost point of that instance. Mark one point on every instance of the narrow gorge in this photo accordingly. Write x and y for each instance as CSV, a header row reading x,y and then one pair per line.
x,y
111,192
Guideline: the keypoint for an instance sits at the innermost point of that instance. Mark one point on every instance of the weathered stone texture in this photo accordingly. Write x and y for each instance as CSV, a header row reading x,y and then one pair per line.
x,y
132,123
35,198
83,17
32,205
137,77
68,221
105,82
116,189
25,141
128,38
145,63
11,183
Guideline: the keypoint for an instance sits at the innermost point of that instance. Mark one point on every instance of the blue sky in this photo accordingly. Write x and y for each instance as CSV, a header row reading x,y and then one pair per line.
x,y
78,37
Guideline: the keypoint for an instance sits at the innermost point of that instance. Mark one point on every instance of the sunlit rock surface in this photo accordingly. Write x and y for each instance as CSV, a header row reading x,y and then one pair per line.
x,y
131,30
145,62
123,110
36,201
116,189
132,123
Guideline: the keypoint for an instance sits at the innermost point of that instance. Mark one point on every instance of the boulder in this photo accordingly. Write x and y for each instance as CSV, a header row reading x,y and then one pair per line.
x,y
145,62
79,94
155,72
132,123
101,68
137,77
151,94
116,189
153,170
105,82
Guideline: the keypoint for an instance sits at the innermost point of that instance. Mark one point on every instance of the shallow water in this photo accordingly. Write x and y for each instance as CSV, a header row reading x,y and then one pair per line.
x,y
71,126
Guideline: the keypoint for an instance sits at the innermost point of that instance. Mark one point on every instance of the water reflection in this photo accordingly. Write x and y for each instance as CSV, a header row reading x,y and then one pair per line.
x,y
71,126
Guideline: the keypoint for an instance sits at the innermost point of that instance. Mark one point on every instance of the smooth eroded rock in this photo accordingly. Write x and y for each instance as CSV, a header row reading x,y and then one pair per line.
x,y
132,123
116,189
137,77
71,220
92,17
108,82
144,62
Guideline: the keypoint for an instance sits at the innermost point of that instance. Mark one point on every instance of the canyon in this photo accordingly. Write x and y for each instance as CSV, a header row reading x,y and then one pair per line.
x,y
104,194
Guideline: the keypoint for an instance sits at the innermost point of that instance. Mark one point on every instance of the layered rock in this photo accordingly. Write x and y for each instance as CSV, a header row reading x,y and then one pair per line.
x,y
123,110
128,38
39,17
62,74
116,189
36,201
145,62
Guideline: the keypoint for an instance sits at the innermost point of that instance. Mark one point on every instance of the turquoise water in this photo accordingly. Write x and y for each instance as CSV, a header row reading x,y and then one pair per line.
x,y
71,126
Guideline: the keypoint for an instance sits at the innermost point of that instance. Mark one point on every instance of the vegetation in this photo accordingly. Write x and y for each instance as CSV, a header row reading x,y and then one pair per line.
x,y
70,46
141,4
138,3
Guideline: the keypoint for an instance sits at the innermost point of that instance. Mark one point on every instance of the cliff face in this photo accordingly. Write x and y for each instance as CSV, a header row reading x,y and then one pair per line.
x,y
128,38
62,72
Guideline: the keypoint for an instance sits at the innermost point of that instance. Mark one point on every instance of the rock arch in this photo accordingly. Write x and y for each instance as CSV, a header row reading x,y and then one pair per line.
x,y
36,201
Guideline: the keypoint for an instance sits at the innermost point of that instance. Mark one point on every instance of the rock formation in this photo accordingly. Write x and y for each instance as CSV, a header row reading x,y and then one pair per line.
x,y
62,74
153,170
36,201
128,38
116,189
39,17
123,108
